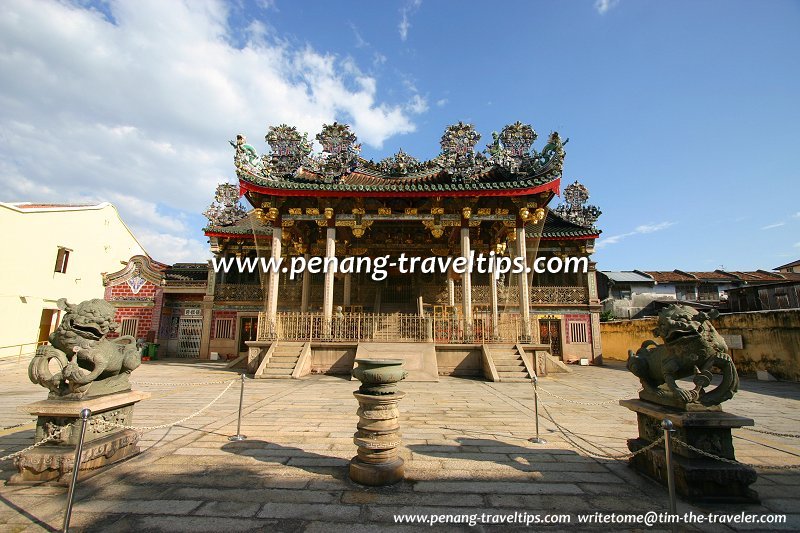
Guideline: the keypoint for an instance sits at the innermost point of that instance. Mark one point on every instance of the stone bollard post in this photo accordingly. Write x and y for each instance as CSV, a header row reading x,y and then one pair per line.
x,y
378,434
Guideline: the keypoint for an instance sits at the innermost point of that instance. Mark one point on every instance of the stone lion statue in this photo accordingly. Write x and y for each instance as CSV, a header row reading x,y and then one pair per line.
x,y
691,348
88,363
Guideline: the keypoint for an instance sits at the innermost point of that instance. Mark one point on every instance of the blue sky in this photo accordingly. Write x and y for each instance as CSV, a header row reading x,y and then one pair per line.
x,y
682,116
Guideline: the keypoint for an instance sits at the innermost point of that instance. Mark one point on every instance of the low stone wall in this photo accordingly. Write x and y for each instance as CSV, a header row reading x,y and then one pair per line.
x,y
770,339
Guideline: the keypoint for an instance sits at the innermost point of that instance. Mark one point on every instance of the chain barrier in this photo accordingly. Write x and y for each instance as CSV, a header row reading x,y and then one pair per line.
x,y
184,384
19,425
732,461
765,432
565,432
604,402
170,424
53,435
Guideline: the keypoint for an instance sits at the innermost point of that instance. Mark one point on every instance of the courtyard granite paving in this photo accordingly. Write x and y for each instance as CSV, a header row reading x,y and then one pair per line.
x,y
465,445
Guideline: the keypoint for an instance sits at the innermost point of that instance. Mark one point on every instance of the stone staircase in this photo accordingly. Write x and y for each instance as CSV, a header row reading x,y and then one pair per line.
x,y
508,363
283,360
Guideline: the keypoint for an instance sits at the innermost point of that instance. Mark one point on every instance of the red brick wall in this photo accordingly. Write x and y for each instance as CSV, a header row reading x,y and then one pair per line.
x,y
222,314
122,290
147,327
577,318
145,316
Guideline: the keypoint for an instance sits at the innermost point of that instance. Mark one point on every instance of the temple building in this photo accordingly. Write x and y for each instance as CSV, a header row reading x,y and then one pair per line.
x,y
336,208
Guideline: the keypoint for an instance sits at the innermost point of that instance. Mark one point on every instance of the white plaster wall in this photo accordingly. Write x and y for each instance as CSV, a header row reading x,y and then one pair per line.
x,y
99,240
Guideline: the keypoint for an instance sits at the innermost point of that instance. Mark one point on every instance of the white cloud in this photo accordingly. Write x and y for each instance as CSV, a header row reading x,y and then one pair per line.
x,y
642,229
138,111
418,104
772,226
604,6
441,102
796,215
171,248
405,14
797,245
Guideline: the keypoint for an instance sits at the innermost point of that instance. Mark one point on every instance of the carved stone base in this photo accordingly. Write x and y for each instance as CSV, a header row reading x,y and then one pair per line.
x,y
376,475
102,445
55,463
697,478
377,438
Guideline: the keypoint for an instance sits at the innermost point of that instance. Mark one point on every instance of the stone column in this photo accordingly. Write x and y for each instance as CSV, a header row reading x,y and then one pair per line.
x,y
348,280
327,302
524,293
591,282
451,286
466,283
306,287
208,310
493,295
274,279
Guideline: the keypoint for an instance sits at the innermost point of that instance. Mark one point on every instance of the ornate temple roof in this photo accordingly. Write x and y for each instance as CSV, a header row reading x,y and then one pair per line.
x,y
248,225
508,166
556,228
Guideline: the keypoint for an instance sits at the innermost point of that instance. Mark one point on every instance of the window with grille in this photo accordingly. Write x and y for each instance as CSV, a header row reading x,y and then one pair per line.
x,y
62,258
129,326
578,332
223,328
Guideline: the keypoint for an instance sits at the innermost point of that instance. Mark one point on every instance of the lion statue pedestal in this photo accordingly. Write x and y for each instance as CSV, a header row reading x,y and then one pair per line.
x,y
92,372
693,349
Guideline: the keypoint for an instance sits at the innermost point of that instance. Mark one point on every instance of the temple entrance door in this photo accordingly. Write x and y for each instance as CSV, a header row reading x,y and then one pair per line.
x,y
550,333
397,295
190,330
248,331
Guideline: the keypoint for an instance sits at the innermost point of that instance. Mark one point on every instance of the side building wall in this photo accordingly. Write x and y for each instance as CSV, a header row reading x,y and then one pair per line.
x,y
770,340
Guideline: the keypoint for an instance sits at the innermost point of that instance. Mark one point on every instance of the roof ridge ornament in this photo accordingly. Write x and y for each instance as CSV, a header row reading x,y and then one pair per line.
x,y
289,150
574,209
512,147
458,156
225,208
246,156
340,151
400,164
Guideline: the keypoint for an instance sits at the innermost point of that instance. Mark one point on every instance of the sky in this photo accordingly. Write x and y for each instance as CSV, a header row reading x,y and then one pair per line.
x,y
683,117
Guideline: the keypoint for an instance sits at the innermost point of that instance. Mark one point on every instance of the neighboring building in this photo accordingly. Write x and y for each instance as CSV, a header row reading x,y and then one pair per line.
x,y
765,296
338,205
635,294
54,251
793,267
161,304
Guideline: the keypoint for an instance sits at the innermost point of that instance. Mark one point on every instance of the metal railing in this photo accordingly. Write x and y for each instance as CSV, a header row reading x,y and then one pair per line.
x,y
365,327
19,350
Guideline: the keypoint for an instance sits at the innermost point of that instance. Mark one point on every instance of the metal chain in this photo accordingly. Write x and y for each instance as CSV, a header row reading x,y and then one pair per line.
x,y
149,428
790,435
186,384
54,434
605,402
592,453
18,425
731,461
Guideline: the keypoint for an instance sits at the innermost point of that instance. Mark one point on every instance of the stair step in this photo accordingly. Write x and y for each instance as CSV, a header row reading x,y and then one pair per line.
x,y
504,375
280,371
510,368
504,379
500,353
281,365
284,358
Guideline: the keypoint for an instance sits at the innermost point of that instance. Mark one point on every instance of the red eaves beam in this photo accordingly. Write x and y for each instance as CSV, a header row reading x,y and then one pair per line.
x,y
552,186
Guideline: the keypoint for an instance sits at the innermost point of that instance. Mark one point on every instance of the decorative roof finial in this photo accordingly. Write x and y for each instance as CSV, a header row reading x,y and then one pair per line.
x,y
574,210
225,208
